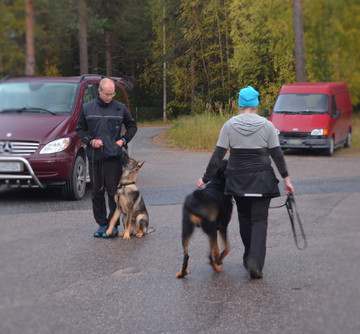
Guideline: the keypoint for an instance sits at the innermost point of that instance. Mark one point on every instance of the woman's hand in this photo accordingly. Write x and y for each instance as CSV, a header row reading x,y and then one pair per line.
x,y
200,183
289,188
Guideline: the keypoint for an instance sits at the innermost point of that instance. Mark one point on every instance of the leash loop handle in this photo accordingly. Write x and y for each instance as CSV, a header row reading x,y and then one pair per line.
x,y
295,218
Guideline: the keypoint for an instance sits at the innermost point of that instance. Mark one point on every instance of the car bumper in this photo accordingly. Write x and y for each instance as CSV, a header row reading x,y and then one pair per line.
x,y
38,171
304,142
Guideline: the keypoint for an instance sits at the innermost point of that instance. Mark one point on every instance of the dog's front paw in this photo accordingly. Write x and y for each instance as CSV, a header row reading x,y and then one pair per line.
x,y
126,236
108,232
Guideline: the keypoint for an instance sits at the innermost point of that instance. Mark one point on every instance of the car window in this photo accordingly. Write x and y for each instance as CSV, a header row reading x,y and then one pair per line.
x,y
89,93
333,106
298,103
36,97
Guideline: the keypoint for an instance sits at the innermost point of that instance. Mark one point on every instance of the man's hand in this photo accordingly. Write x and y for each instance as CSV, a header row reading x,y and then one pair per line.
x,y
96,143
121,142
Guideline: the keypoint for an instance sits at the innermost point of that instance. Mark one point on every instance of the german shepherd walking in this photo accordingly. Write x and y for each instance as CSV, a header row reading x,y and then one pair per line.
x,y
130,203
211,210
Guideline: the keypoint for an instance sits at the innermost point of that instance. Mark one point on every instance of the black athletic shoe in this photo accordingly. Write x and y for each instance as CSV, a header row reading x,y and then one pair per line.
x,y
253,269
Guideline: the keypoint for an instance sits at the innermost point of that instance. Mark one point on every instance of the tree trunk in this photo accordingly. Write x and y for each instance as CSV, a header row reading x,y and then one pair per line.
x,y
83,50
164,68
192,74
300,65
30,39
94,59
108,54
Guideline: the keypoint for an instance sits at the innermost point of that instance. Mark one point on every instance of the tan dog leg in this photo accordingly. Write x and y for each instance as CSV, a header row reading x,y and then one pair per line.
x,y
141,225
113,221
127,226
184,269
214,255
226,248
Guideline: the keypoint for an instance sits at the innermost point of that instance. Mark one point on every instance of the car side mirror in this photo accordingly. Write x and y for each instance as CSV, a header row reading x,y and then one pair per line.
x,y
337,114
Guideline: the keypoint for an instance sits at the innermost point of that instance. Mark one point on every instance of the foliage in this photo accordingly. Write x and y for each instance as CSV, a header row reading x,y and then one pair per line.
x,y
12,29
212,48
263,51
332,45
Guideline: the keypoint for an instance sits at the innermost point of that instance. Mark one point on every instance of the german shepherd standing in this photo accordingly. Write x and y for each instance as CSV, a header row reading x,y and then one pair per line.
x,y
211,210
130,203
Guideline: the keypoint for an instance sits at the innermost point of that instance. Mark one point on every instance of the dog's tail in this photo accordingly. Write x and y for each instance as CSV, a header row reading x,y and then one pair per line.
x,y
150,230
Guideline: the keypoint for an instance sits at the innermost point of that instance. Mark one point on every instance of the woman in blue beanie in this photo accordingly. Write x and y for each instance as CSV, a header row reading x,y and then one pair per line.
x,y
250,179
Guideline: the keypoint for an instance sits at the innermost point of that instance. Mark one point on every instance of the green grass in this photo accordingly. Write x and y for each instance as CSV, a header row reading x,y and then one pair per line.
x,y
355,140
201,132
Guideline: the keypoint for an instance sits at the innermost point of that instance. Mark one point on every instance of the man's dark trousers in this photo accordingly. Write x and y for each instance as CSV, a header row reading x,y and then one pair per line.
x,y
106,175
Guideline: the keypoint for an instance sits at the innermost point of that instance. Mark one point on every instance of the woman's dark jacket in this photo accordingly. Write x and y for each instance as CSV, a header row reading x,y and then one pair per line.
x,y
252,139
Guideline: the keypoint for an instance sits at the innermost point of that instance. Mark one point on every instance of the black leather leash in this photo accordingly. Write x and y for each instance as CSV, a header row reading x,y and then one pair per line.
x,y
294,217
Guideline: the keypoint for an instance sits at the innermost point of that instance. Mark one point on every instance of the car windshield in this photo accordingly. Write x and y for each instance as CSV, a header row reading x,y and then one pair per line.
x,y
302,104
36,97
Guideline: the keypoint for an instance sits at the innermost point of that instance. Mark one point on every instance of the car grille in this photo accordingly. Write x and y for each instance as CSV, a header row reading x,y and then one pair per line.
x,y
295,134
18,147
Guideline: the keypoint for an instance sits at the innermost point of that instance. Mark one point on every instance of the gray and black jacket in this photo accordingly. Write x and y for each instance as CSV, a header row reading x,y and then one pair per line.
x,y
100,120
252,139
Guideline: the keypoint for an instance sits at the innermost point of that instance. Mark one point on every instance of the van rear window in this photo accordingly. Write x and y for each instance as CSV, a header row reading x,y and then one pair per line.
x,y
302,103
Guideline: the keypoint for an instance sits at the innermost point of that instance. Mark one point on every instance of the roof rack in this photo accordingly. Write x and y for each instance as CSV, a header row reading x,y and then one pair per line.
x,y
17,76
82,77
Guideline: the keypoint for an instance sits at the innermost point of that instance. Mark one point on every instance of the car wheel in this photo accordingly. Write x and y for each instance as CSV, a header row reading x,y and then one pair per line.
x,y
75,187
348,140
330,150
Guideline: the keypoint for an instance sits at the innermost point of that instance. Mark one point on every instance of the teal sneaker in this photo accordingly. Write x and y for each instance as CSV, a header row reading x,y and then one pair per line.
x,y
114,233
101,230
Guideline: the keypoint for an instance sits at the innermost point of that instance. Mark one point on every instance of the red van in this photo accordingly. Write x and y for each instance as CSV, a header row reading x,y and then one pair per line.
x,y
313,115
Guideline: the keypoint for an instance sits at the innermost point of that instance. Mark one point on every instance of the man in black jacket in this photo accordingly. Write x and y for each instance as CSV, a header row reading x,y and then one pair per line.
x,y
99,127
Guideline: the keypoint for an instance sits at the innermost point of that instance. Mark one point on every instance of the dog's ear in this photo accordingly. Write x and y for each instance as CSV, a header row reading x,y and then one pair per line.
x,y
139,164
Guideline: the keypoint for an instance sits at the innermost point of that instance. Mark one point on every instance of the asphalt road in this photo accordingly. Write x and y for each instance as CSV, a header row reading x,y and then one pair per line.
x,y
56,278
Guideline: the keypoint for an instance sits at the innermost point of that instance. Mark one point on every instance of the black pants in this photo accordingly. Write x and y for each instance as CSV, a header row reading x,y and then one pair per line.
x,y
105,176
253,220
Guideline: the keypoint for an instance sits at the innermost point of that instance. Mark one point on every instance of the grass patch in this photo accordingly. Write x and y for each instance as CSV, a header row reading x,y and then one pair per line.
x,y
201,132
355,140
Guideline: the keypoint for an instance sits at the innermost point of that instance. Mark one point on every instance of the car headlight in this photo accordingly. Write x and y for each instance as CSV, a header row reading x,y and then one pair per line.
x,y
56,146
319,132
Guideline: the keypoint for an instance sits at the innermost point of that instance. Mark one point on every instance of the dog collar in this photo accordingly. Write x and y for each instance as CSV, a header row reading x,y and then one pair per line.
x,y
121,185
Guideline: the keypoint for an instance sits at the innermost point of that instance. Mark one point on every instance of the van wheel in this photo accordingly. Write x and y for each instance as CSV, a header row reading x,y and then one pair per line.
x,y
74,188
348,140
330,150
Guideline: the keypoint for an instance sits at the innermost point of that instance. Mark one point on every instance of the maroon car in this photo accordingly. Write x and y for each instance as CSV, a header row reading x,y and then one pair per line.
x,y
39,146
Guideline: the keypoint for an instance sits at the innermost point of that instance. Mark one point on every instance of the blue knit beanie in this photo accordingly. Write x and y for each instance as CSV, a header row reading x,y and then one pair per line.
x,y
248,97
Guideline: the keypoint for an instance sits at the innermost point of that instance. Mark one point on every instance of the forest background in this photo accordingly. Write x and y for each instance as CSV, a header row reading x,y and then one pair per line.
x,y
208,49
